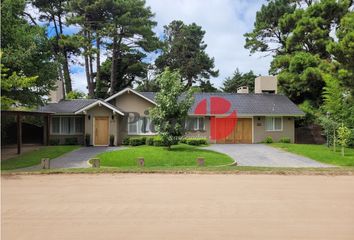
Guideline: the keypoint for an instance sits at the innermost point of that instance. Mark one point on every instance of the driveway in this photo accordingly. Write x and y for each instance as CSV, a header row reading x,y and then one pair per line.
x,y
261,155
76,159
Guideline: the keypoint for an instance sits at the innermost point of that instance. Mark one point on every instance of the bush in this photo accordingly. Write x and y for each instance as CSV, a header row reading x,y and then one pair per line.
x,y
126,141
285,140
159,142
54,142
268,139
149,141
137,141
196,141
87,139
183,140
71,141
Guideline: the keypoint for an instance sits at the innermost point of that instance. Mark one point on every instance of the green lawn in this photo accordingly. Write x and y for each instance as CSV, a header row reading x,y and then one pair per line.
x,y
34,157
179,156
320,153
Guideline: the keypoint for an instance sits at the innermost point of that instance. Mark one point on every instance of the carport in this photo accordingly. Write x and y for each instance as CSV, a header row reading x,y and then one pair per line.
x,y
17,135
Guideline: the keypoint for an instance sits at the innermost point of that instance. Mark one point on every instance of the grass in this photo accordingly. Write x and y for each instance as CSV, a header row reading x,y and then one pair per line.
x,y
34,157
320,153
179,156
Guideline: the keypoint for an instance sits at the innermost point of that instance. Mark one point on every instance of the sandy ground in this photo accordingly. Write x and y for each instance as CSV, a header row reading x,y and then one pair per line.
x,y
132,206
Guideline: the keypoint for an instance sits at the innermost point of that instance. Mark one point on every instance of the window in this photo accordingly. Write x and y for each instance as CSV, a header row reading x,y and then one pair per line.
x,y
274,123
195,124
67,125
139,126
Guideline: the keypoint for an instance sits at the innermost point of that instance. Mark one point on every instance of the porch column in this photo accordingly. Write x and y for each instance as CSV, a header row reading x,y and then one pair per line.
x,y
47,129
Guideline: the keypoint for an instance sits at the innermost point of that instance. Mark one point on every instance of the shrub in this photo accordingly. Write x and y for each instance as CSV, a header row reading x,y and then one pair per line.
x,y
285,140
137,141
183,140
159,142
126,141
111,140
197,141
71,141
149,141
54,142
268,139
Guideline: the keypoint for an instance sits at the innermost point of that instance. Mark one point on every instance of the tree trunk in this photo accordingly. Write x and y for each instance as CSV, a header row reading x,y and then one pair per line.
x,y
98,65
67,78
114,64
342,151
334,140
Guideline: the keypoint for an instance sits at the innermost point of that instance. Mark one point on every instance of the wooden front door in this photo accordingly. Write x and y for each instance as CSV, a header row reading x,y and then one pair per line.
x,y
101,131
242,132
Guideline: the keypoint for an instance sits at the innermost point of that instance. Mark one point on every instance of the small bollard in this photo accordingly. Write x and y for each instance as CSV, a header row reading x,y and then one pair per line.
x,y
141,162
200,161
45,163
96,163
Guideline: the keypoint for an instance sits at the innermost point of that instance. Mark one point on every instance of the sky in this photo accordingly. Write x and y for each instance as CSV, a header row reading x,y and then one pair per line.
x,y
225,22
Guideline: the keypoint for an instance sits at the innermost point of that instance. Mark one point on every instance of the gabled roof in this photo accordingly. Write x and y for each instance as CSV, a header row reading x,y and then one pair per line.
x,y
100,102
130,90
66,106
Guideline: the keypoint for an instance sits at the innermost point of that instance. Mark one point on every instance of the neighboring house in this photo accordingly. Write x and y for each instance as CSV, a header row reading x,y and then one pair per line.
x,y
259,115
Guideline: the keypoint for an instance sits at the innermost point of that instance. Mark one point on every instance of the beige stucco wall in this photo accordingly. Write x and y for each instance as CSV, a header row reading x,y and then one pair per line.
x,y
101,111
260,133
129,102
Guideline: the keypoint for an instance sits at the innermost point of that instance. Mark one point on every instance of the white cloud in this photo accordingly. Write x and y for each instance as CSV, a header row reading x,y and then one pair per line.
x,y
225,22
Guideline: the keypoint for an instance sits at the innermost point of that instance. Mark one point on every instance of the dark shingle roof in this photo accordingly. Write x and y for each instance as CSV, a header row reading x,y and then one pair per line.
x,y
252,104
245,104
67,106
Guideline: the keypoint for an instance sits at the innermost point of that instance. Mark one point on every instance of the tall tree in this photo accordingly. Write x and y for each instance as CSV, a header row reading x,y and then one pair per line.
x,y
53,13
184,50
170,113
129,28
238,80
27,72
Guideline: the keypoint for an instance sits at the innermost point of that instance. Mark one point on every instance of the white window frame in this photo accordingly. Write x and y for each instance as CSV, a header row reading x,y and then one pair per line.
x,y
60,126
195,119
273,124
138,129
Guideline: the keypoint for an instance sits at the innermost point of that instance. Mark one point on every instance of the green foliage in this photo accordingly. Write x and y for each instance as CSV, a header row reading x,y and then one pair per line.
x,y
239,79
170,112
285,140
196,141
76,95
126,141
71,141
268,140
137,141
149,141
158,142
28,71
184,50
344,135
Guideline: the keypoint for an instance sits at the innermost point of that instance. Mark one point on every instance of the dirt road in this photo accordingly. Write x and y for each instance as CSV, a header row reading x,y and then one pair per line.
x,y
132,206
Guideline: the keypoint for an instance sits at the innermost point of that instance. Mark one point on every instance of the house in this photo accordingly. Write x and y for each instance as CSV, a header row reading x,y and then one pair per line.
x,y
240,117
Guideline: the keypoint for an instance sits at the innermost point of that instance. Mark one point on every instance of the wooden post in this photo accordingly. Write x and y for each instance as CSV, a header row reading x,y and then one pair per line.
x,y
45,163
200,161
96,163
19,133
141,162
48,129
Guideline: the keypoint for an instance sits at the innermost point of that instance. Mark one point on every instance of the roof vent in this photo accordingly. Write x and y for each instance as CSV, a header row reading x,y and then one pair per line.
x,y
265,84
243,89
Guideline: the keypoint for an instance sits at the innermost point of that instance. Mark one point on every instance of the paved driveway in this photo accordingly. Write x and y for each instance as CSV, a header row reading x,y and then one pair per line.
x,y
76,159
261,155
